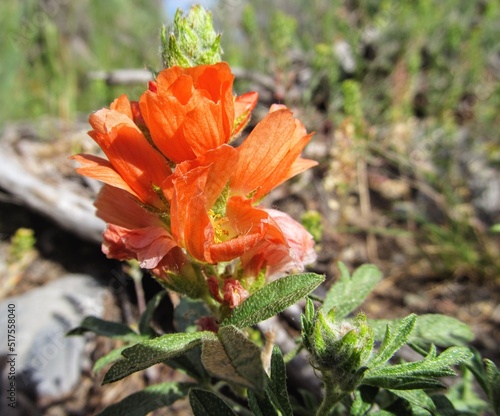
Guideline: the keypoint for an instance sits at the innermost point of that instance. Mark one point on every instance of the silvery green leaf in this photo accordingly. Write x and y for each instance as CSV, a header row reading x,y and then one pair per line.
x,y
206,403
349,292
273,299
145,401
234,358
153,351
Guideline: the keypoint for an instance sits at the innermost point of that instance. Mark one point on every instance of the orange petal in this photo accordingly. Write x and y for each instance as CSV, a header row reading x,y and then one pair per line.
x,y
243,106
130,154
189,218
221,163
190,110
267,155
253,227
98,168
118,207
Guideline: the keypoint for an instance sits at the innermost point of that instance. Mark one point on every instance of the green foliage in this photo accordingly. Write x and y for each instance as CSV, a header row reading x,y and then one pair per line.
x,y
349,292
206,403
273,299
234,358
50,47
147,400
21,243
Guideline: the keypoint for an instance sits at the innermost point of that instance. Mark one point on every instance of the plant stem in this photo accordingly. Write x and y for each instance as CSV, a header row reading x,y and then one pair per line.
x,y
333,395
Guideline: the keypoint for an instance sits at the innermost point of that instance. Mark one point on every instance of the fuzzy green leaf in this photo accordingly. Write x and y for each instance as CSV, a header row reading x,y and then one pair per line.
x,y
393,341
273,299
277,383
350,292
419,374
441,330
261,405
153,351
147,400
105,328
234,358
417,398
109,358
493,380
205,403
147,316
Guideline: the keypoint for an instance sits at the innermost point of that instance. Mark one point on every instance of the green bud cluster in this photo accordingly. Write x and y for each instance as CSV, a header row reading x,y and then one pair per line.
x,y
339,349
191,40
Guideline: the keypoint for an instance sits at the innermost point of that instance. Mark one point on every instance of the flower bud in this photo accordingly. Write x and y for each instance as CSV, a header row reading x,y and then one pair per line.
x,y
339,347
191,40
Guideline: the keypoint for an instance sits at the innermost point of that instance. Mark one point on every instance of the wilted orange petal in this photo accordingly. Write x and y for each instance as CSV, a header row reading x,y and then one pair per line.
x,y
119,207
150,244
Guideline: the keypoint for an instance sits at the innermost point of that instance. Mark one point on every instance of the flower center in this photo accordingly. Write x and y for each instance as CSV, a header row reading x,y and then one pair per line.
x,y
222,229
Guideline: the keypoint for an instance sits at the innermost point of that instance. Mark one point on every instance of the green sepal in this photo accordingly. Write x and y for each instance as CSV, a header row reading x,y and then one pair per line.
x,y
145,401
273,299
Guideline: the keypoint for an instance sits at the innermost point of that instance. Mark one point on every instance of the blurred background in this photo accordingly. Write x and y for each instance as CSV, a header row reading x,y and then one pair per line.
x,y
404,98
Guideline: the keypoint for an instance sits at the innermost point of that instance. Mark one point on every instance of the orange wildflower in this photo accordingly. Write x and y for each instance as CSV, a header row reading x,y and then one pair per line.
x,y
204,209
189,111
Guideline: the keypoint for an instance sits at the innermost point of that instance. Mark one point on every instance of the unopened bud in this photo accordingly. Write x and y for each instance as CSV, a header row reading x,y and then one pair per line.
x,y
191,40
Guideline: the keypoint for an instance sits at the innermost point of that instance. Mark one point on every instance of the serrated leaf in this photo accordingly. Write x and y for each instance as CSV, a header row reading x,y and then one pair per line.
x,y
109,358
419,374
417,398
147,316
205,403
394,339
403,382
493,381
359,406
441,330
277,383
153,351
350,292
147,400
105,328
273,299
234,358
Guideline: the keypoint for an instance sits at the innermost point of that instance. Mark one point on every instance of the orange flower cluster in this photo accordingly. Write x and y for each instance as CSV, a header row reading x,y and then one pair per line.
x,y
176,192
